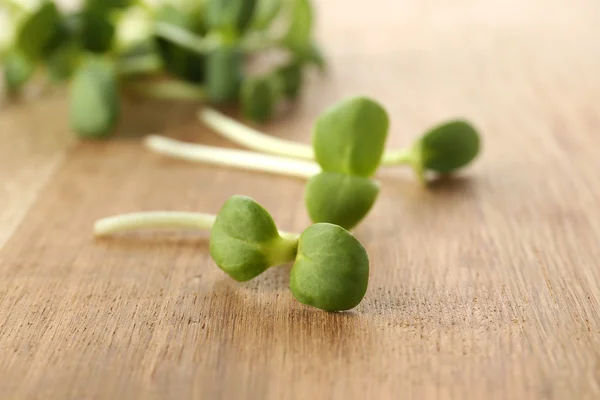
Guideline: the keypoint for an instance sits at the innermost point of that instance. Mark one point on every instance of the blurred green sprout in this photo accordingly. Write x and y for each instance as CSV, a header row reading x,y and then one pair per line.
x,y
183,50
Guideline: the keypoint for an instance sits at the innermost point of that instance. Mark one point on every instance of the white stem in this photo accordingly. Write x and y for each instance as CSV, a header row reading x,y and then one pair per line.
x,y
241,159
153,220
251,138
162,220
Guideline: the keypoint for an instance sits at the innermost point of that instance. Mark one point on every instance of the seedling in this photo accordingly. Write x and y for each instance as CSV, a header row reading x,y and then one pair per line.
x,y
202,48
444,149
331,267
349,139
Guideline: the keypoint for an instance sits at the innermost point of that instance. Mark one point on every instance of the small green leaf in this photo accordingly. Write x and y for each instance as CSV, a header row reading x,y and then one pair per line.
x,y
339,199
244,241
231,16
259,97
299,34
38,31
17,71
350,137
266,12
224,74
448,147
94,99
291,78
331,271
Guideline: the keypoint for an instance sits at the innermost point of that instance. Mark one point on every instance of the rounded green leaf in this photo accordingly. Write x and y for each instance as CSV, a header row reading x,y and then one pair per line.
x,y
449,146
291,78
244,241
259,98
340,199
224,74
38,30
17,71
230,15
331,271
350,137
94,100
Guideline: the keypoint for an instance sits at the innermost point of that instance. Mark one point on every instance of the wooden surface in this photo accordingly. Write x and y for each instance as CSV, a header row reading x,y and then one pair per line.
x,y
482,287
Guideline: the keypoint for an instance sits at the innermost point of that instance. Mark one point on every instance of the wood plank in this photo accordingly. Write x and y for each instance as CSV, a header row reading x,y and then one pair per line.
x,y
486,286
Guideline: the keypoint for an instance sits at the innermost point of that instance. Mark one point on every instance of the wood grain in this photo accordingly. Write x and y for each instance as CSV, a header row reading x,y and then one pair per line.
x,y
486,286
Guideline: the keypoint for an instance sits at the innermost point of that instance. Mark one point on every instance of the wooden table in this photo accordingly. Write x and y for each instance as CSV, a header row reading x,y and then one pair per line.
x,y
482,287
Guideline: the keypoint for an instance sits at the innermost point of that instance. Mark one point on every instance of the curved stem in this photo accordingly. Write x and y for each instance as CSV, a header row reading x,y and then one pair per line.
x,y
153,220
171,90
240,159
251,138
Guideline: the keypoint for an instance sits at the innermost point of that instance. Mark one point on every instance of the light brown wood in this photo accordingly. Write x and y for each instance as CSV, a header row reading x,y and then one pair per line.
x,y
486,286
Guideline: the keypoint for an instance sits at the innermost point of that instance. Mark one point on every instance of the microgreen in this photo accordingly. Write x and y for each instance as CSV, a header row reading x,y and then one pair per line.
x,y
349,139
330,266
443,149
207,44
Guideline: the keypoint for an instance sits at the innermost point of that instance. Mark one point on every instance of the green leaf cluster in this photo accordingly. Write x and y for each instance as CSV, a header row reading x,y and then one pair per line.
x,y
205,46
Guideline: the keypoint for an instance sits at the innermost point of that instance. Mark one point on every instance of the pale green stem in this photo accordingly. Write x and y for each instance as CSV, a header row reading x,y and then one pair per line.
x,y
164,220
186,39
153,220
259,141
240,159
397,157
251,138
139,65
171,90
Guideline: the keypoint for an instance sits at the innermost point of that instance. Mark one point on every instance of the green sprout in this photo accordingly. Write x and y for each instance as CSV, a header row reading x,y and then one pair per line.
x,y
349,139
330,266
444,149
197,51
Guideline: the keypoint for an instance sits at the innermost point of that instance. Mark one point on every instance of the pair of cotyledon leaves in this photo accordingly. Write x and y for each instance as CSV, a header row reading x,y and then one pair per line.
x,y
330,267
349,141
